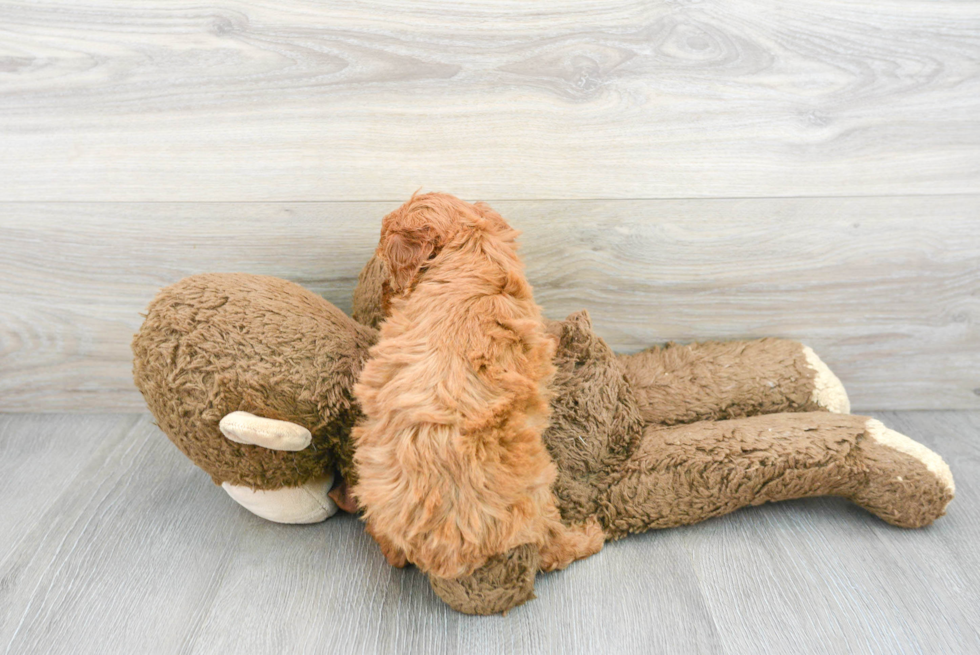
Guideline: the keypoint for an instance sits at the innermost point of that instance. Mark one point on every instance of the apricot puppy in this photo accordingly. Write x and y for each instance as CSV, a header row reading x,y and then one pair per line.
x,y
451,466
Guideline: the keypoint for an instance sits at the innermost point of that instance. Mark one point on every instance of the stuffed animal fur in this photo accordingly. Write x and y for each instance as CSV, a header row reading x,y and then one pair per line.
x,y
252,377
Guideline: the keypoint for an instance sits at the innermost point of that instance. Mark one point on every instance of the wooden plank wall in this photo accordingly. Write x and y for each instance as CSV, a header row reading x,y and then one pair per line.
x,y
685,170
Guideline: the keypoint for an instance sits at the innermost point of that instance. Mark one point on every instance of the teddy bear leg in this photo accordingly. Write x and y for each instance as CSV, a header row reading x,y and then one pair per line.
x,y
908,484
688,473
721,380
306,503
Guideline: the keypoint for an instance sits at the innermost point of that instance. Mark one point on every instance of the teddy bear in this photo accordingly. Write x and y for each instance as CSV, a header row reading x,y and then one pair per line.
x,y
252,378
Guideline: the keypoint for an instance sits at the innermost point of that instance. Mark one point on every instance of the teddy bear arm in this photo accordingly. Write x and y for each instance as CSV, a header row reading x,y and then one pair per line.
x,y
722,380
688,473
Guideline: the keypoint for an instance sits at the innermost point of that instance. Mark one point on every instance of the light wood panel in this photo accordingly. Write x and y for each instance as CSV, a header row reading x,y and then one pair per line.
x,y
302,100
887,290
141,553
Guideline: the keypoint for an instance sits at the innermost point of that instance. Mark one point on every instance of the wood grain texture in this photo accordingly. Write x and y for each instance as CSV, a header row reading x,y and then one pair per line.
x,y
886,290
142,554
300,100
58,447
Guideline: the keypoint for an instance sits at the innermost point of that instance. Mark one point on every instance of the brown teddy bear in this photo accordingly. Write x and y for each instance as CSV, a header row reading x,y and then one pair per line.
x,y
251,377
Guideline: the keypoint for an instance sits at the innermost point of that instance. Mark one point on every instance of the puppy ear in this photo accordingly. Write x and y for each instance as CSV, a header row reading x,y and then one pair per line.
x,y
405,252
492,217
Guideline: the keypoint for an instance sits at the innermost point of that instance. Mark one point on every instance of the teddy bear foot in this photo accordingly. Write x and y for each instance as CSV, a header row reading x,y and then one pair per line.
x,y
828,392
307,503
500,585
909,485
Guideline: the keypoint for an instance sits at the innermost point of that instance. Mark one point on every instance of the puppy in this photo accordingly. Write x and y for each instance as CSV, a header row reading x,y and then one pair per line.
x,y
451,465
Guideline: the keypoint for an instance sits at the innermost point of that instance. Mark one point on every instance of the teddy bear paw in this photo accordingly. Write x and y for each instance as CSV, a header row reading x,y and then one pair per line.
x,y
828,392
908,485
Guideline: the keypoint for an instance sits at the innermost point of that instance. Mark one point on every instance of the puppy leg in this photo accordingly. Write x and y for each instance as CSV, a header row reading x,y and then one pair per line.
x,y
395,555
563,544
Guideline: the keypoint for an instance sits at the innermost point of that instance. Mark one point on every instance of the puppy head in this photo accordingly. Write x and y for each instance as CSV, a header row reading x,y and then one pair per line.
x,y
415,233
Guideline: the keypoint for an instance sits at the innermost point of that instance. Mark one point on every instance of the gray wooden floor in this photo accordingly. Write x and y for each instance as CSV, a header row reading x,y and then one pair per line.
x,y
112,542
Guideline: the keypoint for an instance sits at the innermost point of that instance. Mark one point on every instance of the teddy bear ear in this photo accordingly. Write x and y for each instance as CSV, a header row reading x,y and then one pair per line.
x,y
405,252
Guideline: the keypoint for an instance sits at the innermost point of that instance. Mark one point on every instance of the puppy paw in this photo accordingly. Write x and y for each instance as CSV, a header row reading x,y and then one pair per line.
x,y
828,392
341,494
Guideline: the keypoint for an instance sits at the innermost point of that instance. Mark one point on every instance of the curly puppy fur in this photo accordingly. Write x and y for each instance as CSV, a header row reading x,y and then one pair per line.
x,y
452,467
